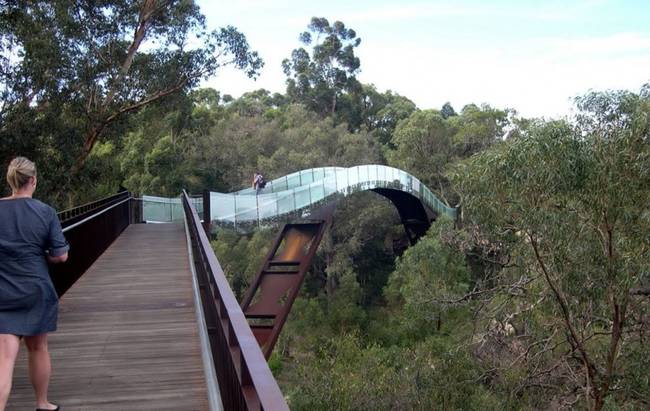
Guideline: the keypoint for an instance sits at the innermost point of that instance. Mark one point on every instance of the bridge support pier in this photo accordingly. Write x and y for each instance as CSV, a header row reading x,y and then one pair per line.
x,y
269,298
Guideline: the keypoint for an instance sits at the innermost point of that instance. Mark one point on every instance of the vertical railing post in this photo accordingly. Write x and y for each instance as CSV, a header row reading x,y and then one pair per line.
x,y
206,211
257,206
131,204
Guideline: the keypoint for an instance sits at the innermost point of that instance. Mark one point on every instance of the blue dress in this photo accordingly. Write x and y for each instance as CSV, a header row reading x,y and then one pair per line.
x,y
28,300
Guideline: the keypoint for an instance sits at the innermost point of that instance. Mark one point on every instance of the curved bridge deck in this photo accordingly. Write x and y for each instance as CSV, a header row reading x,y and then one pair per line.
x,y
127,335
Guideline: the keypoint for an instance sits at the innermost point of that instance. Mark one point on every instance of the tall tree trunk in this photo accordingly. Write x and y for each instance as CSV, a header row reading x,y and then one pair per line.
x,y
148,9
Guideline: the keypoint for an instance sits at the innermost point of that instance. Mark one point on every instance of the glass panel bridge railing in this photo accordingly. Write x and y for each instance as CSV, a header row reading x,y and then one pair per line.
x,y
294,195
165,210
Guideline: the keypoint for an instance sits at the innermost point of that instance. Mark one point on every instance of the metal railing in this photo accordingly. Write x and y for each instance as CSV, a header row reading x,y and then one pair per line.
x,y
90,229
244,377
73,215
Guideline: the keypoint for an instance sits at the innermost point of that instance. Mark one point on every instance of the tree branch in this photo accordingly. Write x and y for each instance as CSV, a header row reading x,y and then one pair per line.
x,y
94,133
641,291
591,368
147,11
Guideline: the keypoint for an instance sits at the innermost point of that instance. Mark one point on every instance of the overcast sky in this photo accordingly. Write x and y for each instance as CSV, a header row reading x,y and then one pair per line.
x,y
533,56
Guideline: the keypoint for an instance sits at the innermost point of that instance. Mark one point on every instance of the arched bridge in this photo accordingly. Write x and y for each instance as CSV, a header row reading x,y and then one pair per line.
x,y
309,194
147,317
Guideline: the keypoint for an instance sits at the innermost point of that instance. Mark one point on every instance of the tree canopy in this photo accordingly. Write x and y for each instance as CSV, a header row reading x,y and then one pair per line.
x,y
568,205
318,79
73,71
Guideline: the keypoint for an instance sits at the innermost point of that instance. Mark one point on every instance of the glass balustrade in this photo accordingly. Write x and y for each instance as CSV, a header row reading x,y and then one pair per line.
x,y
163,209
295,194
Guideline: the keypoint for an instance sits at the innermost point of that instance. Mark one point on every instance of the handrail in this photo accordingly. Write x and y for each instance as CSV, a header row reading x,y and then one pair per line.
x,y
76,212
244,377
102,211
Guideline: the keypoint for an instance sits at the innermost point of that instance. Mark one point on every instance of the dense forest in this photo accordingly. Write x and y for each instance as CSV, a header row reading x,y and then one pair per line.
x,y
537,298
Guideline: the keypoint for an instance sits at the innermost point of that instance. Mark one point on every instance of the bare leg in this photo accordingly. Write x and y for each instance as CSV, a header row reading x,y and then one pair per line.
x,y
40,369
9,345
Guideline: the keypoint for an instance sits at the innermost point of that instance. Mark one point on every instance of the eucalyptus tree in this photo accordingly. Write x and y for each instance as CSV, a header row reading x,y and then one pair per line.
x,y
428,141
569,205
447,110
319,78
72,72
375,112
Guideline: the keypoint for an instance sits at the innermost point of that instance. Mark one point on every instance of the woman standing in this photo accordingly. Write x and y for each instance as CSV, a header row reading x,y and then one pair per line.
x,y
30,236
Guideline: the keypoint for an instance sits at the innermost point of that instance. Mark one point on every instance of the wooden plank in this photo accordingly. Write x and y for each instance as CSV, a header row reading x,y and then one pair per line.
x,y
127,336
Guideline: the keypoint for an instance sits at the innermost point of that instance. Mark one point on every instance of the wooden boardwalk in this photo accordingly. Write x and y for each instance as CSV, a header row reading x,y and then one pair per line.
x,y
127,336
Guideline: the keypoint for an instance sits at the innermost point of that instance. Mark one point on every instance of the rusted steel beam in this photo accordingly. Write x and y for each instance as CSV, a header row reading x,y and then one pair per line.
x,y
270,296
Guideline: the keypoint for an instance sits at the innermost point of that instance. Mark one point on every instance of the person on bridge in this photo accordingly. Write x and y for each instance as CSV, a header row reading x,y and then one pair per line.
x,y
30,236
258,182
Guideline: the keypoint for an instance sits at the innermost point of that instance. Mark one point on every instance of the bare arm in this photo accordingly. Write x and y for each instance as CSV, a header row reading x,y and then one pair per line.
x,y
56,247
58,259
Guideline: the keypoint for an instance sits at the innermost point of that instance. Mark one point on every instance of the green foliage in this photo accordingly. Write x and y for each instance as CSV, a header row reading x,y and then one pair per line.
x,y
343,374
257,103
219,146
102,168
159,154
291,139
241,256
72,73
423,145
429,279
377,112
569,204
275,363
318,79
362,241
447,111
428,141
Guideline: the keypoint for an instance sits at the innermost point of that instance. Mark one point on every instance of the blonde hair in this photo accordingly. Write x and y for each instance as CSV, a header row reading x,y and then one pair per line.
x,y
19,172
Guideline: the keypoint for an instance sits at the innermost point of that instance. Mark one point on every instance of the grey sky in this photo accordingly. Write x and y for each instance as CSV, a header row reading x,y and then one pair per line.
x,y
528,55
